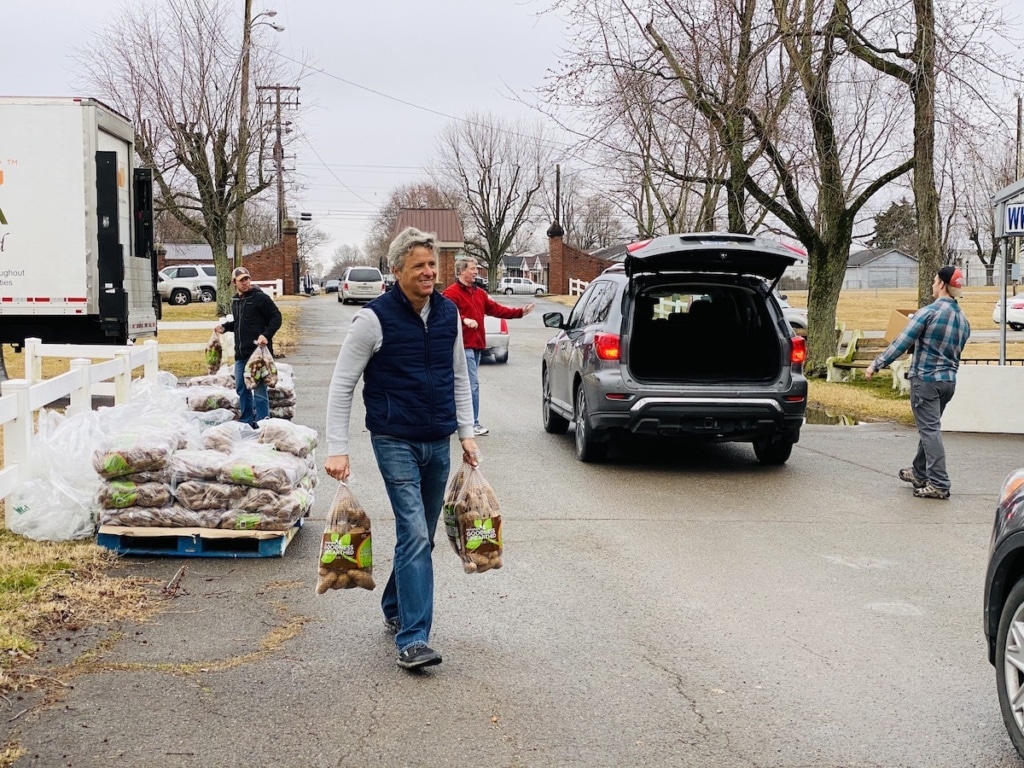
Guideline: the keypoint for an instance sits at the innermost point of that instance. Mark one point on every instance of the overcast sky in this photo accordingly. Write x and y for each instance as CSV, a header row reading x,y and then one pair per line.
x,y
386,69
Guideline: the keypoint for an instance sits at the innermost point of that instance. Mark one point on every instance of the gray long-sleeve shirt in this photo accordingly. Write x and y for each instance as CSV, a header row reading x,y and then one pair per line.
x,y
364,340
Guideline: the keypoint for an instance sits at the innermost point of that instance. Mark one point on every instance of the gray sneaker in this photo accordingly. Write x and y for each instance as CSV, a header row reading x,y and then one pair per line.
x,y
907,476
929,491
417,656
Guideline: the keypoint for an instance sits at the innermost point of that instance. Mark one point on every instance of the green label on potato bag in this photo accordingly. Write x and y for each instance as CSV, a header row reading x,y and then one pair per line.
x,y
346,551
484,536
242,474
123,494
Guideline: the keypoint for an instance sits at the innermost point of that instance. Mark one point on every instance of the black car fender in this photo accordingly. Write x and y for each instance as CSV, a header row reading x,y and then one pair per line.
x,y
1005,568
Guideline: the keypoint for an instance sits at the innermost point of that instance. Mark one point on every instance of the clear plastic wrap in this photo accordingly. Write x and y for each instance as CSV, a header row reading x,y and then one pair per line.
x,y
288,437
267,468
226,437
119,494
191,464
136,451
173,516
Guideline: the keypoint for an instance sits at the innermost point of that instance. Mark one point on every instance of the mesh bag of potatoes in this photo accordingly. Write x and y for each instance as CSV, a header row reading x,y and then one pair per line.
x,y
473,512
451,495
346,550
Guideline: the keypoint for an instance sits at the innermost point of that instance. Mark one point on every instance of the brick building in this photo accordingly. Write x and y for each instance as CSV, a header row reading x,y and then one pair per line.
x,y
565,262
279,261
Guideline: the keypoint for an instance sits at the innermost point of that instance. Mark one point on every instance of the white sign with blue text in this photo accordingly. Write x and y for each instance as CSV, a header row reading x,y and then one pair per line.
x,y
1013,222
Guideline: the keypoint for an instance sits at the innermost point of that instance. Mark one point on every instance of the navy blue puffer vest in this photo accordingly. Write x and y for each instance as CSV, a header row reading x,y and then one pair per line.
x,y
409,384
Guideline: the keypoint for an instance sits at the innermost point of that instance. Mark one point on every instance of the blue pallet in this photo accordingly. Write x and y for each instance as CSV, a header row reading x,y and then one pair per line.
x,y
195,542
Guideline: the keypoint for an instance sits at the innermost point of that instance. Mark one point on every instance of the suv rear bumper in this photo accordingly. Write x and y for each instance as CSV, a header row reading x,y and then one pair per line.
x,y
727,419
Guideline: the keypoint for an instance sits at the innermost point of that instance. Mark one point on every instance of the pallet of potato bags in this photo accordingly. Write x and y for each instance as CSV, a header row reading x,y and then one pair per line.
x,y
195,542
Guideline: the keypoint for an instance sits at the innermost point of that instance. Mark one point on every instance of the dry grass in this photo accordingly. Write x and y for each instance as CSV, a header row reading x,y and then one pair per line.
x,y
51,587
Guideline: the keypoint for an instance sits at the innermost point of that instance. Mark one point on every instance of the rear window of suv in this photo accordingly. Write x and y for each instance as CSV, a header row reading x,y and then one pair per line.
x,y
367,275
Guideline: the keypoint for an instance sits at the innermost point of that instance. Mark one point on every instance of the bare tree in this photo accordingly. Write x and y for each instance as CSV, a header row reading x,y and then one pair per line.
x,y
590,220
779,119
346,256
989,174
174,69
498,167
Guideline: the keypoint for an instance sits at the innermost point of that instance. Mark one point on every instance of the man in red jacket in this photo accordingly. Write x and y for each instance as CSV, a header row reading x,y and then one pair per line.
x,y
473,303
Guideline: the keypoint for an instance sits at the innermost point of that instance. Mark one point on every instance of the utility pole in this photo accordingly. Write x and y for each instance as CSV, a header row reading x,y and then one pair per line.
x,y
248,22
279,102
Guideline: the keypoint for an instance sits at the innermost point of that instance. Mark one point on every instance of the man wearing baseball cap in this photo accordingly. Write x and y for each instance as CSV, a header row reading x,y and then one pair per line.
x,y
937,334
256,320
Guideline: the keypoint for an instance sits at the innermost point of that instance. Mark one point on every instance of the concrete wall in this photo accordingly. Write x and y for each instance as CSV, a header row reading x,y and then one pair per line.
x,y
989,398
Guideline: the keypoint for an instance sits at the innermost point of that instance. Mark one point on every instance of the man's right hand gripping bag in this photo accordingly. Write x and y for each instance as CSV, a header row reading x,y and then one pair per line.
x,y
346,551
472,520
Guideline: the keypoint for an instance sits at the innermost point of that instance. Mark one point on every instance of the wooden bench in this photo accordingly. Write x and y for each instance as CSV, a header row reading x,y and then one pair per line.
x,y
860,352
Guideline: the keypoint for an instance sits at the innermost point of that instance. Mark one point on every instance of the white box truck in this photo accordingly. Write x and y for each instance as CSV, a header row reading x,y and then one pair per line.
x,y
77,263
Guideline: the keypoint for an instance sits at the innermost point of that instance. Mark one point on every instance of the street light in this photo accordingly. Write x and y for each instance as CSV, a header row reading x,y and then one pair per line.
x,y
241,169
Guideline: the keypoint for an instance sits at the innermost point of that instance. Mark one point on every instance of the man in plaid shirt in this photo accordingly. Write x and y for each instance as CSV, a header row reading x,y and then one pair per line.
x,y
937,334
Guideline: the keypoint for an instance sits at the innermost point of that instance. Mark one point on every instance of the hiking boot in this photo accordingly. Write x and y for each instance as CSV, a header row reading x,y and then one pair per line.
x,y
416,656
480,429
907,476
392,625
929,491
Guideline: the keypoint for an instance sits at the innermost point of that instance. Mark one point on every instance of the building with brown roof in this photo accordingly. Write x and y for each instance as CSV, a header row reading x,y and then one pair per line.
x,y
446,225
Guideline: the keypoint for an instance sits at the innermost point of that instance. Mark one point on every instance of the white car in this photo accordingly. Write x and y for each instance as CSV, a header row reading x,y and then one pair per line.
x,y
496,329
796,316
185,283
360,284
1014,313
510,285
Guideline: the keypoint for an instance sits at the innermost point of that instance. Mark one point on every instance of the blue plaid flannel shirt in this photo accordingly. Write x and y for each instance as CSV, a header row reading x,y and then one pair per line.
x,y
936,334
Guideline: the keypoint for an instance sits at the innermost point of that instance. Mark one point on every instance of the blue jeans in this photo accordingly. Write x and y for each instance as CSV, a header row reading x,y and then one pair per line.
x,y
254,403
928,399
415,474
473,366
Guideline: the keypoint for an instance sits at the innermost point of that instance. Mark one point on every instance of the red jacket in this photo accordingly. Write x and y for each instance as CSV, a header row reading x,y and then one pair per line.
x,y
474,303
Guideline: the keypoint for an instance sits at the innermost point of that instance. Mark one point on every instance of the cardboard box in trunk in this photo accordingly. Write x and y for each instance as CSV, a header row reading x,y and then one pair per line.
x,y
897,322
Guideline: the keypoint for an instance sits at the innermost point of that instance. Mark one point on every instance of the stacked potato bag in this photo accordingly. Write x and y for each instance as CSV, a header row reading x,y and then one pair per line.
x,y
217,390
242,479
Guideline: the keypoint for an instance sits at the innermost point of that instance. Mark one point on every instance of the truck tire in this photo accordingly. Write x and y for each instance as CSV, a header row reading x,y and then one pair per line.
x,y
179,297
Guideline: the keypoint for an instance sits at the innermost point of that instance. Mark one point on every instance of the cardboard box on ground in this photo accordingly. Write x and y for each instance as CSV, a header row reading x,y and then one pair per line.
x,y
897,322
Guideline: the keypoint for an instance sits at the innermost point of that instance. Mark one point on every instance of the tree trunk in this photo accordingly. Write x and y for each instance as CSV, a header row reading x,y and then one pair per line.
x,y
925,194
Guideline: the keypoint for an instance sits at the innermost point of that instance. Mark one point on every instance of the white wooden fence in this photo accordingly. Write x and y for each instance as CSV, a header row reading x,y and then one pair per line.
x,y
274,287
577,287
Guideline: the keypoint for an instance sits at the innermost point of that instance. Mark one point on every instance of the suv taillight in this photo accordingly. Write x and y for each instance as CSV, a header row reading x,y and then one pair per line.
x,y
606,346
798,350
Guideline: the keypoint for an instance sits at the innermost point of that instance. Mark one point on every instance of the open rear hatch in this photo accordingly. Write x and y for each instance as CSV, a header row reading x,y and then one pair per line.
x,y
711,252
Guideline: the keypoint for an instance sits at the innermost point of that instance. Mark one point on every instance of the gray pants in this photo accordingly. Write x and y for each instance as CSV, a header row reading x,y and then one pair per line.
x,y
928,400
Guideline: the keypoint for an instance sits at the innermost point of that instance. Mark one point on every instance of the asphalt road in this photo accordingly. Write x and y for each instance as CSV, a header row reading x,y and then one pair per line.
x,y
668,608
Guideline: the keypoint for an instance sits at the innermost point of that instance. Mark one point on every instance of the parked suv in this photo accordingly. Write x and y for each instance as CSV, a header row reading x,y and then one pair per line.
x,y
683,339
184,283
1004,605
361,284
510,285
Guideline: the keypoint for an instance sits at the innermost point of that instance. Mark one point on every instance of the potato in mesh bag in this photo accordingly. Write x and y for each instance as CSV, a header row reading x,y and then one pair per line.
x,y
451,495
213,353
260,367
478,523
346,550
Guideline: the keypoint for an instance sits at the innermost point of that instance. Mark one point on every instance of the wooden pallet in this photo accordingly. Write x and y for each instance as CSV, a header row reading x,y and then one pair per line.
x,y
195,542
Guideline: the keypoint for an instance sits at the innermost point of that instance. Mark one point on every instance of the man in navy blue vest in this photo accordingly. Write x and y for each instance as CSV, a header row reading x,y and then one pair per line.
x,y
407,346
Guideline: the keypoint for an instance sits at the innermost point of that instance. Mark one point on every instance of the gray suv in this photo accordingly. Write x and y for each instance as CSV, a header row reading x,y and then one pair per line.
x,y
683,339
